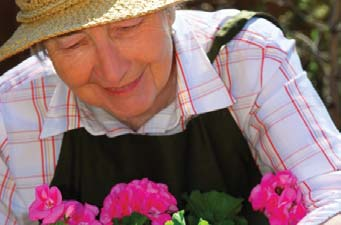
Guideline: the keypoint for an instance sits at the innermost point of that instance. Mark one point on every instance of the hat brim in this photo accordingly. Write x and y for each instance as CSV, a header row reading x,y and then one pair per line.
x,y
78,17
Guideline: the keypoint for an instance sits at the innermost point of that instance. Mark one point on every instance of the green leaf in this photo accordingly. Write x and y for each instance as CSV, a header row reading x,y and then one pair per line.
x,y
192,220
313,67
226,222
215,207
321,12
315,35
169,222
178,218
241,221
303,4
203,222
133,219
59,223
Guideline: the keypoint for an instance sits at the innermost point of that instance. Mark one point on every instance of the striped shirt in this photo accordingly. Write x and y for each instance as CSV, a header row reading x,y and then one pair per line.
x,y
257,77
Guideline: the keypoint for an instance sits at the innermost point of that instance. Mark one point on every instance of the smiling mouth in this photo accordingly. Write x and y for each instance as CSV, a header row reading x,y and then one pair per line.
x,y
126,88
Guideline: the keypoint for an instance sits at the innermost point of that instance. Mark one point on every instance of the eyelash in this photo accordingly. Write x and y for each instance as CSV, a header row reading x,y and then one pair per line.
x,y
75,45
129,27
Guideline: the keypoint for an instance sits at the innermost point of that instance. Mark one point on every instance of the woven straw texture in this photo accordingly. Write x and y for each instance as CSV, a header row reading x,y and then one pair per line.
x,y
43,19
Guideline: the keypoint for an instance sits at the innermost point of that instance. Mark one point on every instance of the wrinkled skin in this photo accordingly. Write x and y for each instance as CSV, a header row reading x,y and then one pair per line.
x,y
126,68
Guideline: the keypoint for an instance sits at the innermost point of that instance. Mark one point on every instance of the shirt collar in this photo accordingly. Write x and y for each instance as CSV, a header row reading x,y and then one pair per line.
x,y
200,90
63,112
67,112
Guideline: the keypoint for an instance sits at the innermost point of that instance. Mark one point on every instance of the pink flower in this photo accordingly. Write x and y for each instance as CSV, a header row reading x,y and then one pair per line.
x,y
143,196
47,205
299,211
262,194
161,219
279,197
70,208
76,213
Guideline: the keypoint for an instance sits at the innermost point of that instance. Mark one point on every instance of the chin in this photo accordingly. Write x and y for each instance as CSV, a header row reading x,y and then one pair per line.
x,y
131,110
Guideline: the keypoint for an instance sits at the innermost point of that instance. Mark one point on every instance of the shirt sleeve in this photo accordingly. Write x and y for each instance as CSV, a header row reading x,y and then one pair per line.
x,y
10,200
283,118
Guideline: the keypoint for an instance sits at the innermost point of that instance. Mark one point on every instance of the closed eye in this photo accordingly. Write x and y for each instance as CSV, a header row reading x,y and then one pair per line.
x,y
126,28
72,41
128,25
74,44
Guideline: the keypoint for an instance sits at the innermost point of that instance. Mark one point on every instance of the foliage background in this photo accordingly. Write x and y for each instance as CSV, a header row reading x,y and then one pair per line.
x,y
316,26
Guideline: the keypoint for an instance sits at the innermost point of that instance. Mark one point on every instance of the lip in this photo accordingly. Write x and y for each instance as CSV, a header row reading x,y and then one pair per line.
x,y
126,88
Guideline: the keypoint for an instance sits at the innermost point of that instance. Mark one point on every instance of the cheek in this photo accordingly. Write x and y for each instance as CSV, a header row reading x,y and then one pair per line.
x,y
158,55
161,68
160,48
89,94
154,52
75,71
152,44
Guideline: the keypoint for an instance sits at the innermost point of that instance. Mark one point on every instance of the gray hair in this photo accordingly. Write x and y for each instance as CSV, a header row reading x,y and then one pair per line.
x,y
38,50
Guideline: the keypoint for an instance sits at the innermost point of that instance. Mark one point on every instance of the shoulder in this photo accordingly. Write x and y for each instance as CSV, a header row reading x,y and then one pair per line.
x,y
22,75
261,37
200,25
260,29
204,25
25,94
205,19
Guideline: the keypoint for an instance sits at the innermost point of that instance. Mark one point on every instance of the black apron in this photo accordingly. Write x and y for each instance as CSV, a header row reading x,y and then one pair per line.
x,y
210,154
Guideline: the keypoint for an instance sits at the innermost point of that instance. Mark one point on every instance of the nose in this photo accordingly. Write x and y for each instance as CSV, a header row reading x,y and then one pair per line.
x,y
112,65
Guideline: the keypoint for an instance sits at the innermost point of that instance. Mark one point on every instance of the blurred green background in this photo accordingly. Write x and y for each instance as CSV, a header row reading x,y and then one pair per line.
x,y
315,24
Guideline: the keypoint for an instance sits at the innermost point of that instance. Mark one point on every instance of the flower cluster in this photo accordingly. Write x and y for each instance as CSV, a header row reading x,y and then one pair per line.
x,y
142,196
49,207
141,201
279,197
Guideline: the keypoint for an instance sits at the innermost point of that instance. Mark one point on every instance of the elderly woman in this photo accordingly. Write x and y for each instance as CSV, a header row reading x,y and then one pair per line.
x,y
124,89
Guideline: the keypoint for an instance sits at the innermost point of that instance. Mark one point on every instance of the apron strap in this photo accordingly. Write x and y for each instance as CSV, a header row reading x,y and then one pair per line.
x,y
232,27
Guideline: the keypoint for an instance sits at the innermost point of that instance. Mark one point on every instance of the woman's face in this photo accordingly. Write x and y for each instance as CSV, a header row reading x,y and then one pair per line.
x,y
123,67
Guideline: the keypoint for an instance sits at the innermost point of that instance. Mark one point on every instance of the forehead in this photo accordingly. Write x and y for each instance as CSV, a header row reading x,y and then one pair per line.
x,y
150,17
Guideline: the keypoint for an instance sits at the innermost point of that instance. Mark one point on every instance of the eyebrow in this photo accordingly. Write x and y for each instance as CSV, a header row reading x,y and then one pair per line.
x,y
80,31
69,34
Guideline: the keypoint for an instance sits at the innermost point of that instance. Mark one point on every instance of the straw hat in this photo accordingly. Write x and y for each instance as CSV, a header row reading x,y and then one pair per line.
x,y
43,19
